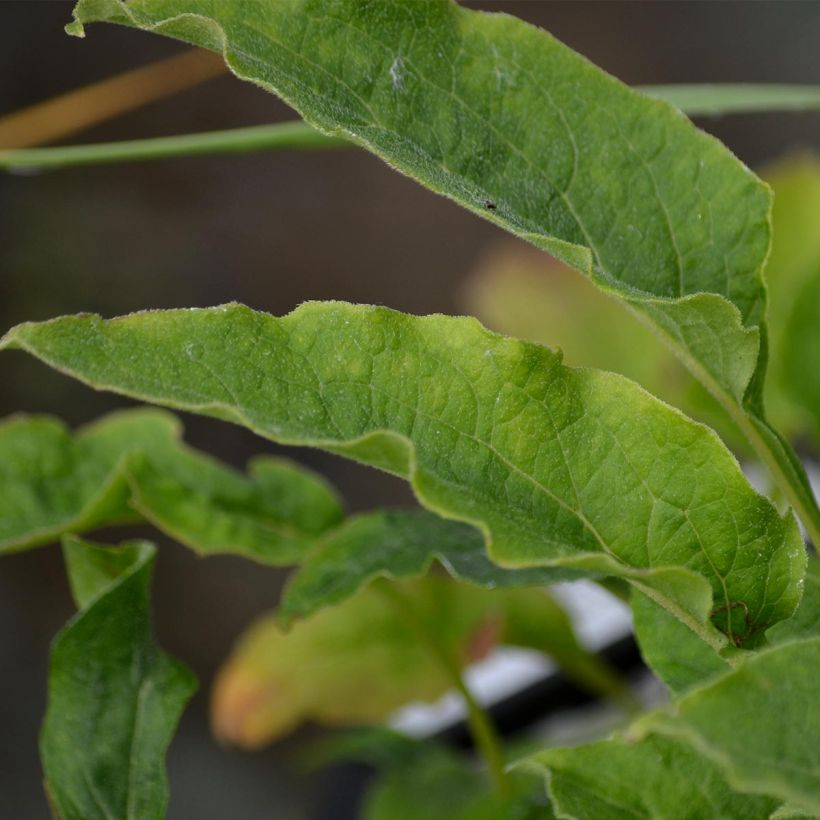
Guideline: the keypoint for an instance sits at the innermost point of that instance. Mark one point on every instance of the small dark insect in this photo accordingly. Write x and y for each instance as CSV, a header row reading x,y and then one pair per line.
x,y
490,205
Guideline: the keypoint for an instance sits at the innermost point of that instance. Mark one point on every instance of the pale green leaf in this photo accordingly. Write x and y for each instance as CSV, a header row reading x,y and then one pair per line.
x,y
133,464
760,723
672,650
653,778
114,698
507,121
576,469
518,291
352,663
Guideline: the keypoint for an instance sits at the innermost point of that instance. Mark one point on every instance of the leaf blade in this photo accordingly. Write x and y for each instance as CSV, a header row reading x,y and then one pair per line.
x,y
134,463
103,756
619,185
326,376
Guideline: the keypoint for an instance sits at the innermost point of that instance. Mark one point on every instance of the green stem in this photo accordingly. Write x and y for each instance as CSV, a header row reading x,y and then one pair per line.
x,y
294,135
691,99
481,727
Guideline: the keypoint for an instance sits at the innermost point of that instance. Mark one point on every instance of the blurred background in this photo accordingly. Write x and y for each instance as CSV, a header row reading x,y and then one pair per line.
x,y
272,230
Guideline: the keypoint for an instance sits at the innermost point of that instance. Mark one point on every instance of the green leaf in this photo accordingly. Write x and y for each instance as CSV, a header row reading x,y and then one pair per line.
x,y
672,650
760,723
656,777
805,623
133,464
692,99
710,99
682,660
571,469
394,544
505,120
114,698
518,291
353,663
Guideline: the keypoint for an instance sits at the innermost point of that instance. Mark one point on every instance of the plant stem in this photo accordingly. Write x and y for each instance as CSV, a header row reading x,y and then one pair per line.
x,y
83,107
482,730
296,134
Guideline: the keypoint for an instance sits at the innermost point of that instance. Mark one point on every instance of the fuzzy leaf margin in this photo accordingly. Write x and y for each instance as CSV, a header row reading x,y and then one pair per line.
x,y
513,125
571,469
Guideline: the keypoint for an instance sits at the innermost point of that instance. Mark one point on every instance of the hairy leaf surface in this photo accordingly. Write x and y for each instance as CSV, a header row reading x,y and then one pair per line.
x,y
133,464
574,469
501,117
518,291
673,652
657,777
760,723
114,698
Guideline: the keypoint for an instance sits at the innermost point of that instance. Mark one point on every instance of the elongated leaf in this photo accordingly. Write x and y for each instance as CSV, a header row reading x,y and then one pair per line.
x,y
657,777
403,545
353,663
760,723
518,291
513,125
397,544
133,464
566,468
114,699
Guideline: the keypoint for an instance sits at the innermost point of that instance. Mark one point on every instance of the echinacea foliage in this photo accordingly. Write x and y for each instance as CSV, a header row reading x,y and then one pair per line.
x,y
529,470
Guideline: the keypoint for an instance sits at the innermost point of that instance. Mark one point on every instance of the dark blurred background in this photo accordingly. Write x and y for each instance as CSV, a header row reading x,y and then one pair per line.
x,y
270,230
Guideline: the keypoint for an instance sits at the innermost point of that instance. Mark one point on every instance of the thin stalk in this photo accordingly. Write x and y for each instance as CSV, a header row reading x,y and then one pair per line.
x,y
710,99
481,727
83,107
296,135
